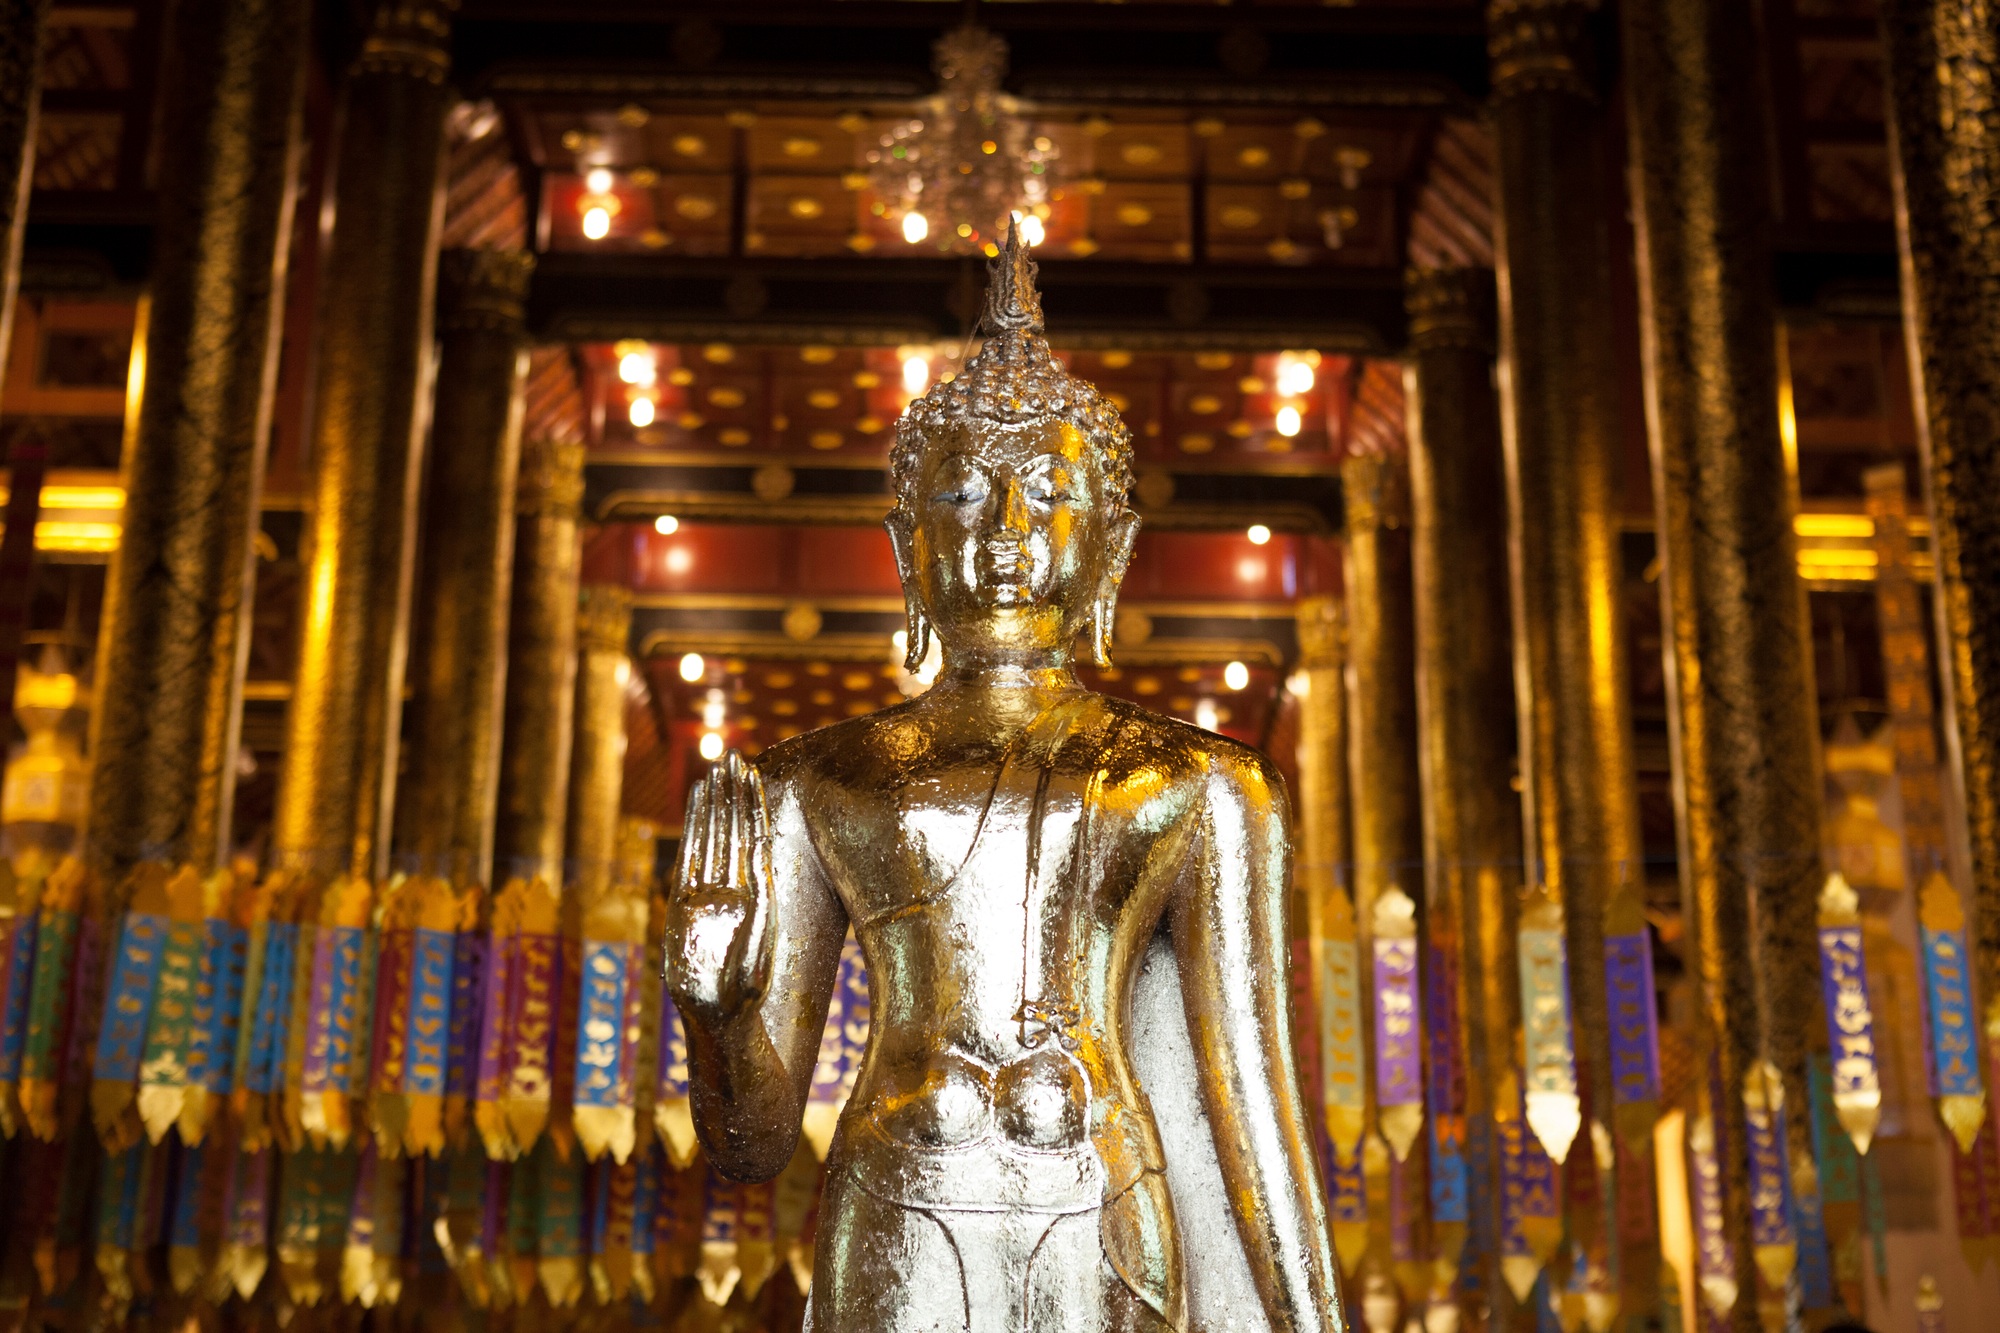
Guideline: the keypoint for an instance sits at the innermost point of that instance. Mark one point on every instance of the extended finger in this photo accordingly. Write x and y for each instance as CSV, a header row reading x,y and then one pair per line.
x,y
740,829
694,829
713,830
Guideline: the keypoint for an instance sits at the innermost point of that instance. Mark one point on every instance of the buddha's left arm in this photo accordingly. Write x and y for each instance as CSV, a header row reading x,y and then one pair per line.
x,y
1230,936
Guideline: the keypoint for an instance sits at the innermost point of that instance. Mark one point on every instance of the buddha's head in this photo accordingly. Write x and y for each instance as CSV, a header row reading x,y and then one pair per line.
x,y
1011,526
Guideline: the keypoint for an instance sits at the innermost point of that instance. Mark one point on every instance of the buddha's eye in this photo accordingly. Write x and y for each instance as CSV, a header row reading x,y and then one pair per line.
x,y
960,490
1048,490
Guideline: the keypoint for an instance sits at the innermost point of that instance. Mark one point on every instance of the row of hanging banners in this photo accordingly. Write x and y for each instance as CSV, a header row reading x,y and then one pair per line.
x,y
321,1093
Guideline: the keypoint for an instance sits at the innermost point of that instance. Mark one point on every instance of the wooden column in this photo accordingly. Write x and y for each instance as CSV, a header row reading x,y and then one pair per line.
x,y
366,450
541,666
1741,697
1560,428
1465,688
175,635
597,766
1945,135
446,812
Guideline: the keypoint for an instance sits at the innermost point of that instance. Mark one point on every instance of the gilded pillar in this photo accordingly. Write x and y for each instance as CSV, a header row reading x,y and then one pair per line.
x,y
597,766
1741,699
1385,800
445,817
541,665
1322,857
1945,139
175,633
366,449
1465,685
1559,425
1384,791
21,26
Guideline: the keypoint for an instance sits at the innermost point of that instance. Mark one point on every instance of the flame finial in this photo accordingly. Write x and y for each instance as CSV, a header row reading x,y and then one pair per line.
x,y
1012,303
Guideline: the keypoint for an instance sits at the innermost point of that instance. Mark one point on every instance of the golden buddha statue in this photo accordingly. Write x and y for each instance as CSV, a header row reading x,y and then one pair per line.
x,y
1061,897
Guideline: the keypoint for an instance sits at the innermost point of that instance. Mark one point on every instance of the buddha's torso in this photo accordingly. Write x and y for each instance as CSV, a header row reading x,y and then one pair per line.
x,y
1003,882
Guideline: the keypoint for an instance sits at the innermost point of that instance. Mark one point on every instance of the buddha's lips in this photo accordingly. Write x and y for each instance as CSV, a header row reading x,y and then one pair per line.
x,y
1004,562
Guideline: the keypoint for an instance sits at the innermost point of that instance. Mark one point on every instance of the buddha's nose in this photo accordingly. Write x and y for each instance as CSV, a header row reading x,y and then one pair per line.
x,y
1013,515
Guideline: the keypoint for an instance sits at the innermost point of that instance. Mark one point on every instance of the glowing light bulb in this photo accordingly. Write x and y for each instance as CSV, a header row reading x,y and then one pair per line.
x,y
1258,534
711,745
666,525
641,412
1288,420
597,180
693,668
596,223
916,374
915,227
1236,675
1295,376
637,368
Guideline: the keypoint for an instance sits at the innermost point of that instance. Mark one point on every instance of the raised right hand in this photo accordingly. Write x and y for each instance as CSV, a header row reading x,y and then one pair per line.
x,y
718,933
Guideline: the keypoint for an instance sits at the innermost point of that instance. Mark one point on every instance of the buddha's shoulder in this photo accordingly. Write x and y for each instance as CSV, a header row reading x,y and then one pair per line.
x,y
1127,741
1140,739
866,741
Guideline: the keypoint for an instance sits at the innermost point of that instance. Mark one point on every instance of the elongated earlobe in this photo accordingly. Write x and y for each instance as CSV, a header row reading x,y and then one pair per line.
x,y
1101,621
919,634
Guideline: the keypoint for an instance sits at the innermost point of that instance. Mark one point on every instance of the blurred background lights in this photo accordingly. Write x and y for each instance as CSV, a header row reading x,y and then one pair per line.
x,y
693,668
637,367
915,227
1288,420
711,745
1258,534
916,374
713,709
1031,228
1236,675
641,413
1295,374
1205,715
597,180
666,525
596,223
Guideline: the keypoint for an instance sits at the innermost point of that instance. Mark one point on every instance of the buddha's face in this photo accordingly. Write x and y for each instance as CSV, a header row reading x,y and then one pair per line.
x,y
1007,541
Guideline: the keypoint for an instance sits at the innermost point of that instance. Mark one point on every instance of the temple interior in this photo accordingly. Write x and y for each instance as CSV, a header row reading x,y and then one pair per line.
x,y
1566,442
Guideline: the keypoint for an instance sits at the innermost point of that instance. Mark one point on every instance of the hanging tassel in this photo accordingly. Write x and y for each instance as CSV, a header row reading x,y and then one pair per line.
x,y
560,1261
1555,1109
66,934
1399,1059
269,964
719,1271
335,971
468,1008
1345,1092
164,1069
1955,1080
1773,1240
1850,1018
122,1034
20,910
246,1252
218,1003
517,1036
608,1021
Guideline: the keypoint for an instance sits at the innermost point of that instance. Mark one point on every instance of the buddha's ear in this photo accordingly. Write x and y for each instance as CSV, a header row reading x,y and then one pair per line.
x,y
903,541
1119,541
